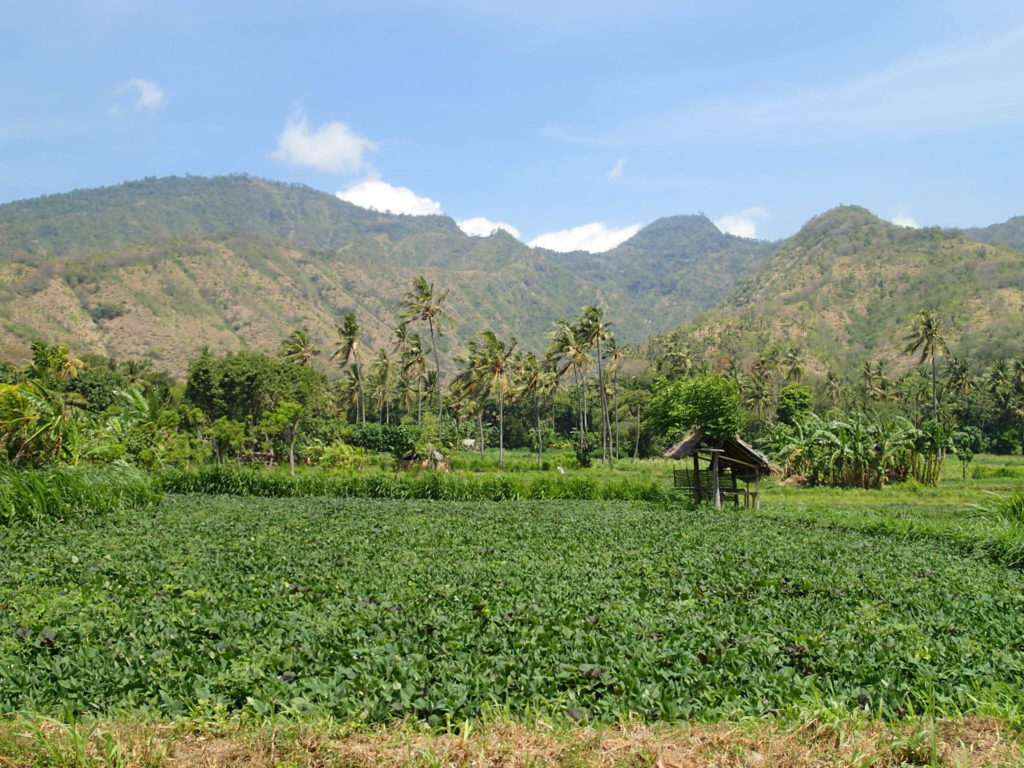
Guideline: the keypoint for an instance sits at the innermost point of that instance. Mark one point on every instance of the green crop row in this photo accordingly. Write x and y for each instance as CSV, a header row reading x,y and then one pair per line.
x,y
374,611
439,486
34,495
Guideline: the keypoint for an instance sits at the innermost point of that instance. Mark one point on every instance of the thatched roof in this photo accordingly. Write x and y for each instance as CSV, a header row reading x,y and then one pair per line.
x,y
734,449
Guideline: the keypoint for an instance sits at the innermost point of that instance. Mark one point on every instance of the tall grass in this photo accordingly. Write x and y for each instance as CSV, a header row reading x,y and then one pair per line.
x,y
38,495
454,486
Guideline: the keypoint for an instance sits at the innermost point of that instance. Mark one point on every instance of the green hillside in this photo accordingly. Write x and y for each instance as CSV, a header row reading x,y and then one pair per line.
x,y
160,267
1009,233
844,289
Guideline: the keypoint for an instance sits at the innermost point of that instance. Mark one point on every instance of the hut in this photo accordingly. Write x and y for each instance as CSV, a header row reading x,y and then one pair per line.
x,y
430,459
719,468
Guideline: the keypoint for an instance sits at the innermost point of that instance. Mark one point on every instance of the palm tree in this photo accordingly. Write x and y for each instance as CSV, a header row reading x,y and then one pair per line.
x,y
380,385
494,363
298,348
568,353
794,364
958,376
424,304
833,387
593,330
534,383
470,387
348,352
414,369
926,338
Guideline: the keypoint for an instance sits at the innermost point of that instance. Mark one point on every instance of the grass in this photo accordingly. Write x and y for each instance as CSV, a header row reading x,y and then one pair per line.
x,y
437,486
856,742
34,496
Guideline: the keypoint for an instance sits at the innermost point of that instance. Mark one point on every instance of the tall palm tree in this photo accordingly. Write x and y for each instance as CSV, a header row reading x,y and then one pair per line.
x,y
926,337
380,385
794,364
958,376
495,367
348,352
424,304
534,383
298,348
470,388
833,387
593,329
568,354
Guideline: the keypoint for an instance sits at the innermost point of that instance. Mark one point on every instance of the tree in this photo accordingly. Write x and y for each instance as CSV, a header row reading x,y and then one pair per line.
x,y
710,404
926,337
348,352
794,403
284,421
537,385
298,348
424,304
495,367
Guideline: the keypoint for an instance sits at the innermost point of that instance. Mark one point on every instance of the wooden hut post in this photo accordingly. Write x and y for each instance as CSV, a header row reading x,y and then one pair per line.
x,y
715,482
696,479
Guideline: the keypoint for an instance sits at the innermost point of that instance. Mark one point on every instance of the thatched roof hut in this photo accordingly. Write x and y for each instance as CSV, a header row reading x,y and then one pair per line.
x,y
726,463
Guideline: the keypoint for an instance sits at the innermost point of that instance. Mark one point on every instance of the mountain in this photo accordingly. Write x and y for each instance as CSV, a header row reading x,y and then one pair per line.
x,y
1009,233
845,289
678,265
160,267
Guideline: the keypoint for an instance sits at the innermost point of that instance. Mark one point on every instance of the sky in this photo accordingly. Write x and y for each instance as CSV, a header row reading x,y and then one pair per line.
x,y
570,124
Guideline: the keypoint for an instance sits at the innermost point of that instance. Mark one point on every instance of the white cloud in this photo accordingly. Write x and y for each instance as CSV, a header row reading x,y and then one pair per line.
x,y
902,220
378,195
333,147
595,237
481,227
617,170
148,95
742,224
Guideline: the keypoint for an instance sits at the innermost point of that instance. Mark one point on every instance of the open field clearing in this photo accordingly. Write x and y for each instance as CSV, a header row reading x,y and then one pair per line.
x,y
372,611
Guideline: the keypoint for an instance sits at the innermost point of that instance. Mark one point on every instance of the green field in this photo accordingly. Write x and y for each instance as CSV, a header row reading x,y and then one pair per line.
x,y
373,611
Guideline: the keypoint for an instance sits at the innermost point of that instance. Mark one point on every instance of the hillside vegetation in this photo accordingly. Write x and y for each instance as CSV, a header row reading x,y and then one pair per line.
x,y
846,287
159,267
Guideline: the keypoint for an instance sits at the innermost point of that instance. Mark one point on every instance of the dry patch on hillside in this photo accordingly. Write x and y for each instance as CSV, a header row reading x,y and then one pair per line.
x,y
972,742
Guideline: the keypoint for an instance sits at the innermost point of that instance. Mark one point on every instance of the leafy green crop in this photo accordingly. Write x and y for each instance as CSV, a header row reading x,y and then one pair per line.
x,y
381,610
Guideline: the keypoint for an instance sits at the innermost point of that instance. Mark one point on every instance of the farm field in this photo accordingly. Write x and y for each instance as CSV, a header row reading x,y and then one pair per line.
x,y
372,611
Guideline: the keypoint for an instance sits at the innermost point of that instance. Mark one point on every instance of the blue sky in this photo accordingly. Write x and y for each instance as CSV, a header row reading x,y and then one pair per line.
x,y
573,122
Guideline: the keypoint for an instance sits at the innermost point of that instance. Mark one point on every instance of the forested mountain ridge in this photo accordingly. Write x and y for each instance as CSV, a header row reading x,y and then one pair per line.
x,y
1009,233
845,288
159,267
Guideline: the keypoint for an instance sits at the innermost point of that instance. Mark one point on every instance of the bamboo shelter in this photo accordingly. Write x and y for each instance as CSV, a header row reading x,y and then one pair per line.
x,y
719,469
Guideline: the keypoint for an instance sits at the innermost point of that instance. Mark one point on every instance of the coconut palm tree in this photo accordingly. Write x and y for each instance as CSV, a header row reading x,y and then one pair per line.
x,y
926,337
958,376
534,384
568,353
593,329
794,363
424,304
494,365
298,348
379,380
348,353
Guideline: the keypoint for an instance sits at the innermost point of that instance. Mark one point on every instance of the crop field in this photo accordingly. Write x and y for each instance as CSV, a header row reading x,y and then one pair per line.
x,y
372,611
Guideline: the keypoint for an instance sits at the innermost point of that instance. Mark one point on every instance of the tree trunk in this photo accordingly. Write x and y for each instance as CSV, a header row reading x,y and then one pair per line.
x,y
636,448
501,429
540,440
437,367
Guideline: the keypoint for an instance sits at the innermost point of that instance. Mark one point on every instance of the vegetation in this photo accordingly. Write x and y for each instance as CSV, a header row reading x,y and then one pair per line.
x,y
580,610
63,493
